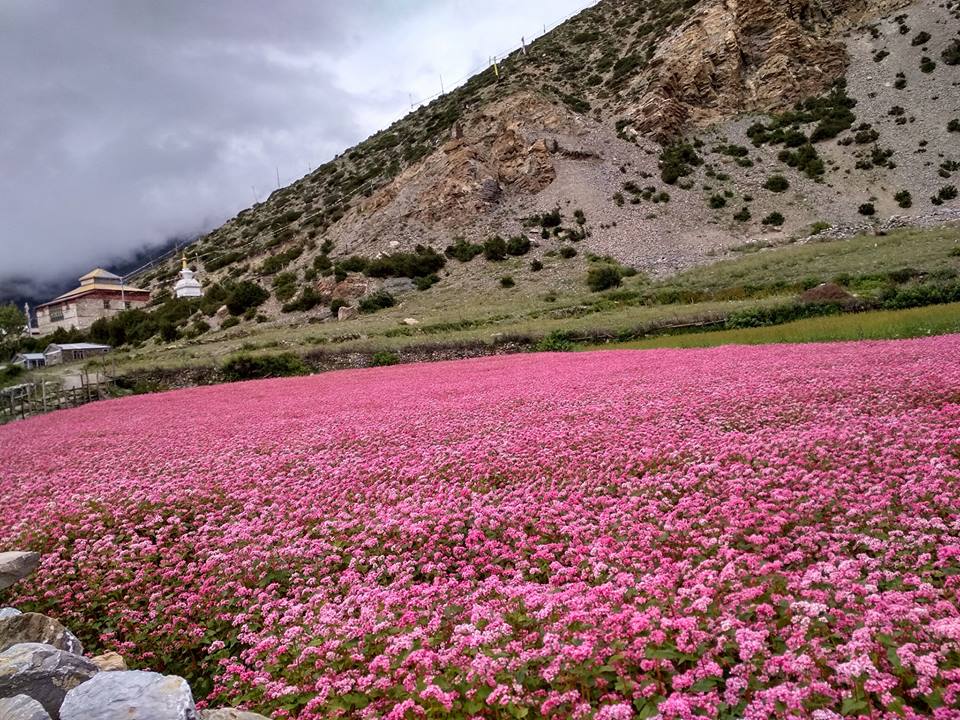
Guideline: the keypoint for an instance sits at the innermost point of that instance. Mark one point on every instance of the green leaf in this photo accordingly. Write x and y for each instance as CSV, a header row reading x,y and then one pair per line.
x,y
705,685
852,706
894,659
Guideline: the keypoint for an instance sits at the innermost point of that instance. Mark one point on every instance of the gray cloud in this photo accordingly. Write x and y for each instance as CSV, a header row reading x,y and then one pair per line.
x,y
126,122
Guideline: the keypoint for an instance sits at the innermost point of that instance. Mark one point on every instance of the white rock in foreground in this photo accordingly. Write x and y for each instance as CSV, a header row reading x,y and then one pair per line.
x,y
21,707
43,673
130,695
8,612
16,566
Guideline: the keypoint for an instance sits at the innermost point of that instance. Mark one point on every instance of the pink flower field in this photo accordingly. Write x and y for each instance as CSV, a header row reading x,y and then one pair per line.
x,y
764,532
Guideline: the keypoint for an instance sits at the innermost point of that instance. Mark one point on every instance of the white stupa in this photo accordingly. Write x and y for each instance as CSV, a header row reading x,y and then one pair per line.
x,y
187,285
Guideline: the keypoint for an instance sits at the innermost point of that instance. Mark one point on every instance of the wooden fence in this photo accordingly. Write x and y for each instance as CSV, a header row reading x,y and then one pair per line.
x,y
33,398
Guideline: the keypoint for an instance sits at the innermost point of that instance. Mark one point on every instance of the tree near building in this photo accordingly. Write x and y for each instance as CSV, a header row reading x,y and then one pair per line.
x,y
12,324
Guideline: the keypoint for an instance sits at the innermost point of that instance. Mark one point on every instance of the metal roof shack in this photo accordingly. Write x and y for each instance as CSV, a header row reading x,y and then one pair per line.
x,y
67,352
29,360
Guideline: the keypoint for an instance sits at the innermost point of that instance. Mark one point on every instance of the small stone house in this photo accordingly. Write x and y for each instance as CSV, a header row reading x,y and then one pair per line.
x,y
68,352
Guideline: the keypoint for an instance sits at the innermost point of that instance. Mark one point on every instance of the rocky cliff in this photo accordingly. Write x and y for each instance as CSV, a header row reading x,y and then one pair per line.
x,y
643,118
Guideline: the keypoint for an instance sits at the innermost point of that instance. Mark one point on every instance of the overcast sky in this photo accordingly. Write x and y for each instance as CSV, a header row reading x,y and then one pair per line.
x,y
125,122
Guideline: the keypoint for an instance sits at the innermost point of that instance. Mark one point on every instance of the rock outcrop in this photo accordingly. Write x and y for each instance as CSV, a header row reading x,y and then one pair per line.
x,y
130,695
735,56
16,566
22,707
109,662
43,673
37,628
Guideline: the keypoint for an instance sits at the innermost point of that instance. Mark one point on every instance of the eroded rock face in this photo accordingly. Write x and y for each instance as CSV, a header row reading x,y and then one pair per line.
x,y
43,673
734,56
16,566
496,154
37,628
130,695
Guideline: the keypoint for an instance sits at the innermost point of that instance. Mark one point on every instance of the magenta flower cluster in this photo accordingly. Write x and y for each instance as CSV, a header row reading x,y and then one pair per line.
x,y
756,533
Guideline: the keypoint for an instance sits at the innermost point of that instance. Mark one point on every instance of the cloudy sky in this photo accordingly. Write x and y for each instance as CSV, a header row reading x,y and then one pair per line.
x,y
126,122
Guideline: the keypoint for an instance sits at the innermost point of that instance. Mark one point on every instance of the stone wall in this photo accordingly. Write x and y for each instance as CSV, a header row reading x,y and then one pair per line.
x,y
45,674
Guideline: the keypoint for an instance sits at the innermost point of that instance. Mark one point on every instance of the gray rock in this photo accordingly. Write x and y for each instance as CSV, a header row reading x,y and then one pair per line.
x,y
43,673
130,695
109,662
16,566
37,628
347,313
22,707
398,285
8,612
228,714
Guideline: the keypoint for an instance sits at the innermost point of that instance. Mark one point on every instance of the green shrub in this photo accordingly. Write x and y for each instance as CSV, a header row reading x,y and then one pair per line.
x,y
927,65
951,53
717,201
742,215
604,277
536,266
377,301
308,299
248,367
556,341
904,198
507,281
776,183
567,252
383,358
774,218
495,249
421,262
677,161
335,306
229,323
920,38
244,296
819,226
426,282
518,245
462,250
285,286
866,209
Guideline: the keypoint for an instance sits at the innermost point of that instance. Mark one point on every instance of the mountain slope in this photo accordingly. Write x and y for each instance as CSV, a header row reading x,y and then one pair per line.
x,y
645,119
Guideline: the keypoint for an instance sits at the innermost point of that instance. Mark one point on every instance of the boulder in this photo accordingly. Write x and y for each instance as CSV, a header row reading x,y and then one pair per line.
x,y
8,612
229,714
16,566
43,673
130,695
22,707
109,662
411,321
347,313
36,628
398,285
